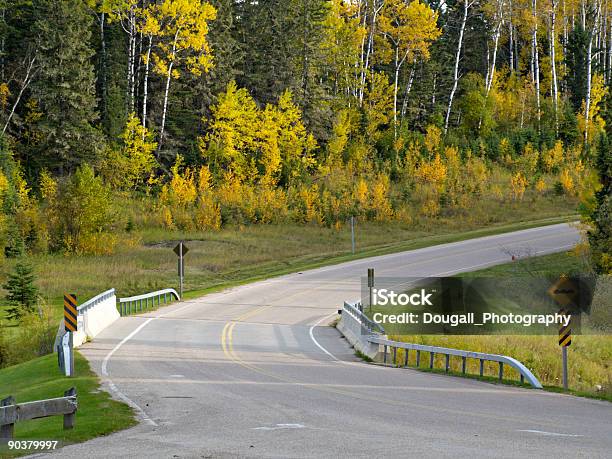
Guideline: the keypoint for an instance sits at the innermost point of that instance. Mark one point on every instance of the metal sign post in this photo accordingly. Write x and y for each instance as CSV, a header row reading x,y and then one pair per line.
x,y
181,250
70,325
565,293
371,285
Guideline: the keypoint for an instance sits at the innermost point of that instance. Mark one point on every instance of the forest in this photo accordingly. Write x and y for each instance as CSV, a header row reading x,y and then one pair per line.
x,y
195,115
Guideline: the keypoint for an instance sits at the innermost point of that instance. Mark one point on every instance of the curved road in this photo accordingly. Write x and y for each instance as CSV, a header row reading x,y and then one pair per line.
x,y
253,371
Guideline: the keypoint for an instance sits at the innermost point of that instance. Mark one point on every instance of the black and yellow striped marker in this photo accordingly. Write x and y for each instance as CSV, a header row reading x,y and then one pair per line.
x,y
565,331
70,312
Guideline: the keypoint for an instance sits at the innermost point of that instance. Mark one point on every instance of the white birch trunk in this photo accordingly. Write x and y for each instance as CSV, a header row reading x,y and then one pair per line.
x,y
587,104
553,44
26,81
146,85
466,7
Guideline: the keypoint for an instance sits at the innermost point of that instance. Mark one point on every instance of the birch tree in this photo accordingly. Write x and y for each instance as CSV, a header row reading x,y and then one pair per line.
x,y
410,29
181,44
589,62
467,4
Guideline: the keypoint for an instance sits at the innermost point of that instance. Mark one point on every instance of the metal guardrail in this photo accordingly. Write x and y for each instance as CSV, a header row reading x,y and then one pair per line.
x,y
356,310
10,412
502,360
134,304
95,300
372,329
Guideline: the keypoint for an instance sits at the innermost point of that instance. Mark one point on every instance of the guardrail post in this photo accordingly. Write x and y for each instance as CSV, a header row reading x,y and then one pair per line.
x,y
431,360
405,357
69,418
395,357
463,364
501,371
522,379
418,359
481,367
385,354
447,366
7,431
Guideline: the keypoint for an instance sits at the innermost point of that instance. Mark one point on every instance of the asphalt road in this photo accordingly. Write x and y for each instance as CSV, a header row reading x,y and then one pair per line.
x,y
254,371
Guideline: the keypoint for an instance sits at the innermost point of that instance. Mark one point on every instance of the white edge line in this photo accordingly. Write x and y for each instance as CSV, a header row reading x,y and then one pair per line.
x,y
467,269
552,434
104,370
314,340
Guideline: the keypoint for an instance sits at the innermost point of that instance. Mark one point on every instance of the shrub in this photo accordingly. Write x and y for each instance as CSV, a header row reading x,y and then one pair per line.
x,y
83,214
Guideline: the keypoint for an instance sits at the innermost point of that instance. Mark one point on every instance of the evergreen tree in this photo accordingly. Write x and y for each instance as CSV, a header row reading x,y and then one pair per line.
x,y
576,62
65,86
21,291
600,235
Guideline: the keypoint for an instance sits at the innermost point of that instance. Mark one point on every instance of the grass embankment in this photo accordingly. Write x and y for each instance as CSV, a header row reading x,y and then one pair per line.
x,y
590,355
238,255
40,379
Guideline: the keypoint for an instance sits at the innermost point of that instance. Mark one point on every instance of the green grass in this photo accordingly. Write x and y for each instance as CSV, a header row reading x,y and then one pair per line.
x,y
589,356
237,255
40,379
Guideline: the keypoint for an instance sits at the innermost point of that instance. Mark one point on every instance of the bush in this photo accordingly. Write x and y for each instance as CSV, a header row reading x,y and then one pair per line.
x,y
83,214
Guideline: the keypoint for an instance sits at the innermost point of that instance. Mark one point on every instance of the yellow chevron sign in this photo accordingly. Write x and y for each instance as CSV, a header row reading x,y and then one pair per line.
x,y
565,332
564,291
70,312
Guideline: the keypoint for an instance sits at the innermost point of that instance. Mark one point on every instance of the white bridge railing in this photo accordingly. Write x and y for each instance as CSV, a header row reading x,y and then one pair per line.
x,y
365,334
140,303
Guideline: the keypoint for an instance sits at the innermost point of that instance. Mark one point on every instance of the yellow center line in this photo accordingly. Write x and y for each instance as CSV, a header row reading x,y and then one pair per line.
x,y
228,350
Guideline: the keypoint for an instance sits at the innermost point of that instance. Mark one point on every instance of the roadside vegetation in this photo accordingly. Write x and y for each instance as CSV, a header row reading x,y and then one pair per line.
x,y
590,354
40,379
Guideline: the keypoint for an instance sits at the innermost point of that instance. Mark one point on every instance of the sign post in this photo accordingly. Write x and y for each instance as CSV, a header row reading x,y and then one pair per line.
x,y
371,285
565,293
70,325
181,250
565,340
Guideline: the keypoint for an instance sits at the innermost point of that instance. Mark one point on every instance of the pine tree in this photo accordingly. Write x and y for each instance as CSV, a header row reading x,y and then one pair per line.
x,y
21,291
600,234
65,85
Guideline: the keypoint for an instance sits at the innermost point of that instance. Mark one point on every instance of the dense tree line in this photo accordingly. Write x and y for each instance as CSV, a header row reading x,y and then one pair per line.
x,y
299,96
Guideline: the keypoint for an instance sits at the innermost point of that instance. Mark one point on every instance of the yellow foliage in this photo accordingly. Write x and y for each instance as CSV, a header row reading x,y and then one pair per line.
x,y
4,186
596,123
433,137
433,172
244,139
567,182
337,144
379,203
181,28
360,194
540,186
167,218
309,197
131,166
528,162
181,191
518,185
553,157
430,208
4,95
476,175
377,104
207,215
48,185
